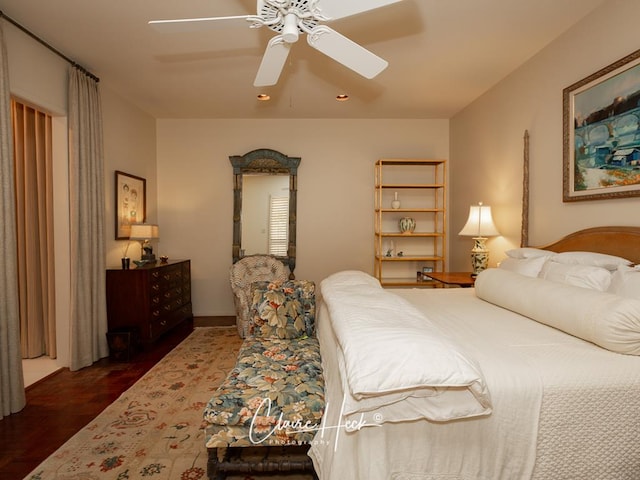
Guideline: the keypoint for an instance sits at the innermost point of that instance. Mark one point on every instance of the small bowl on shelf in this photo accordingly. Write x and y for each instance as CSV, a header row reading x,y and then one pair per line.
x,y
140,263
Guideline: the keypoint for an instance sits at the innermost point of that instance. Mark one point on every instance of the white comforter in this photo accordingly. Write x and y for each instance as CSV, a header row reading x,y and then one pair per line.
x,y
373,342
391,353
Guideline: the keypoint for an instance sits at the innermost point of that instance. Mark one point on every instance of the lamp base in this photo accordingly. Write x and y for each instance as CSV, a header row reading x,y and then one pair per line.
x,y
479,256
147,253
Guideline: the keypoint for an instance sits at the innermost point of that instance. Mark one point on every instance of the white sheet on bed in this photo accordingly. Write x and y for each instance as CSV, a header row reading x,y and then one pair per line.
x,y
576,434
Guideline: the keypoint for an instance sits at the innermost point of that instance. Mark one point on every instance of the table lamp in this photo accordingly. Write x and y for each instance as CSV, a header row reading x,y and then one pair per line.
x,y
479,226
145,232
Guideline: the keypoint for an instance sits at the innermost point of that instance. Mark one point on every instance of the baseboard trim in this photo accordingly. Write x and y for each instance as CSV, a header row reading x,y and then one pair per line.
x,y
218,321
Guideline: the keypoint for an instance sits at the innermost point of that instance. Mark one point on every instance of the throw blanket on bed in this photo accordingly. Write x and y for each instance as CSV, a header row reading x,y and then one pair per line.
x,y
396,365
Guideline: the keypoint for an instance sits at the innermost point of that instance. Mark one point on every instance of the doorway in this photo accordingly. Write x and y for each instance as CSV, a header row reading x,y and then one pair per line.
x,y
32,140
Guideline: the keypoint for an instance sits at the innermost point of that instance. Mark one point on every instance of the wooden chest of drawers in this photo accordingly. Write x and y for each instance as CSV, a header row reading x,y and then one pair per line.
x,y
151,299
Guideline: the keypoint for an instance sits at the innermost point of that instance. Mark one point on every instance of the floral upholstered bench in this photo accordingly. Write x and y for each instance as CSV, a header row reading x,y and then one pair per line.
x,y
273,400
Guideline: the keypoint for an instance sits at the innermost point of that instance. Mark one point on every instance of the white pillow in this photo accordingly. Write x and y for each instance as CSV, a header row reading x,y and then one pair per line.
x,y
608,320
610,262
625,281
354,277
529,267
585,276
528,252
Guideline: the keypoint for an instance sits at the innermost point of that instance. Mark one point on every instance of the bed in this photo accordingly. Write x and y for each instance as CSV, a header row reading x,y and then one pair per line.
x,y
532,374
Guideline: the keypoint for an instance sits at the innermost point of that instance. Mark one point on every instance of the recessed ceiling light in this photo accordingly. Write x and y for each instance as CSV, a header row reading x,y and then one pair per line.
x,y
263,97
343,97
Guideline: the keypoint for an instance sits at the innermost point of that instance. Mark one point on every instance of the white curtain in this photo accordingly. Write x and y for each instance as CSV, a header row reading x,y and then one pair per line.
x,y
86,179
12,397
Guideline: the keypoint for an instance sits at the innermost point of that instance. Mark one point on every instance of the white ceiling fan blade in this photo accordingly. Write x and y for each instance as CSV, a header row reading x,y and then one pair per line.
x,y
198,24
273,62
334,9
345,51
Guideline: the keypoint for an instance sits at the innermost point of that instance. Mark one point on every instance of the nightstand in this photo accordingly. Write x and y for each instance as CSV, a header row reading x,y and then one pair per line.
x,y
451,279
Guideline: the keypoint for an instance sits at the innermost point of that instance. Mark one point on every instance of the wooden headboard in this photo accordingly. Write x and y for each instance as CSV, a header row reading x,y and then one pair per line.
x,y
620,241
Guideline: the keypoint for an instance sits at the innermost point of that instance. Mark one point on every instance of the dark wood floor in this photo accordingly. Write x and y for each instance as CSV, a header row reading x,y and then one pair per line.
x,y
64,403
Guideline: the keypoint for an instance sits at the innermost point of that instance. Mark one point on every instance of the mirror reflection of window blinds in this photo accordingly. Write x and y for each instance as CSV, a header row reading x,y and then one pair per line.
x,y
278,223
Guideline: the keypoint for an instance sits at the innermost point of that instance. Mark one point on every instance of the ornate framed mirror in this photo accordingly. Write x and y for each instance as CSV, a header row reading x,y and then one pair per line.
x,y
265,189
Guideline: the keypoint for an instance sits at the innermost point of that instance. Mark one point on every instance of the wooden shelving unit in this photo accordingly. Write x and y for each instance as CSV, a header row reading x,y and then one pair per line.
x,y
421,188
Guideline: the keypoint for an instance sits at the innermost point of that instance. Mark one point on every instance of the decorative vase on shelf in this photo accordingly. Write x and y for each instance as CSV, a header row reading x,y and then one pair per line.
x,y
407,225
395,203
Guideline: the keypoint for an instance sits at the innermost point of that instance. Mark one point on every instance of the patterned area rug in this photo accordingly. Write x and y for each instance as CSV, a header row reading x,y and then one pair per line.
x,y
154,430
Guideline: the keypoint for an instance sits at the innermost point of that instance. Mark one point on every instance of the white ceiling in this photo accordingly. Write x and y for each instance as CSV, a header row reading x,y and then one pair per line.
x,y
442,55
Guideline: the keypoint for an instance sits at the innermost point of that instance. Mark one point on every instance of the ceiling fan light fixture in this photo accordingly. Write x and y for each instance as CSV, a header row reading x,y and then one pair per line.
x,y
264,97
343,97
290,32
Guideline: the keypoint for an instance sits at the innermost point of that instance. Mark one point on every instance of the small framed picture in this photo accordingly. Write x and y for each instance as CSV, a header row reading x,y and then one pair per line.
x,y
130,202
425,273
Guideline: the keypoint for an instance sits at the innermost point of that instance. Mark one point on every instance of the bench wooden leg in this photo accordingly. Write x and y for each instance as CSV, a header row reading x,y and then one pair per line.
x,y
213,470
225,461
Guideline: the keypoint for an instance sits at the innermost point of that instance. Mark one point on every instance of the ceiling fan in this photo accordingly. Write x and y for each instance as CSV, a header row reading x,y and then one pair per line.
x,y
289,19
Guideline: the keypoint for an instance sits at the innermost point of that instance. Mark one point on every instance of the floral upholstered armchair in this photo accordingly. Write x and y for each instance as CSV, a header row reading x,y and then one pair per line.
x,y
285,310
247,270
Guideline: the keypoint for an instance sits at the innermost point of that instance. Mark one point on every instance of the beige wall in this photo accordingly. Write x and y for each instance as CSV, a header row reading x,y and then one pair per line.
x,y
335,182
129,146
487,139
39,77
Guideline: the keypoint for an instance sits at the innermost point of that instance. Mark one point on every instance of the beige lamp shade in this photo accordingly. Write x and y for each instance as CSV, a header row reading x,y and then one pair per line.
x,y
144,231
480,222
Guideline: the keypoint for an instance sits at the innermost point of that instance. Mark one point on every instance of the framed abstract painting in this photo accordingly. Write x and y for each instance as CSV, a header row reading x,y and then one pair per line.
x,y
601,117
